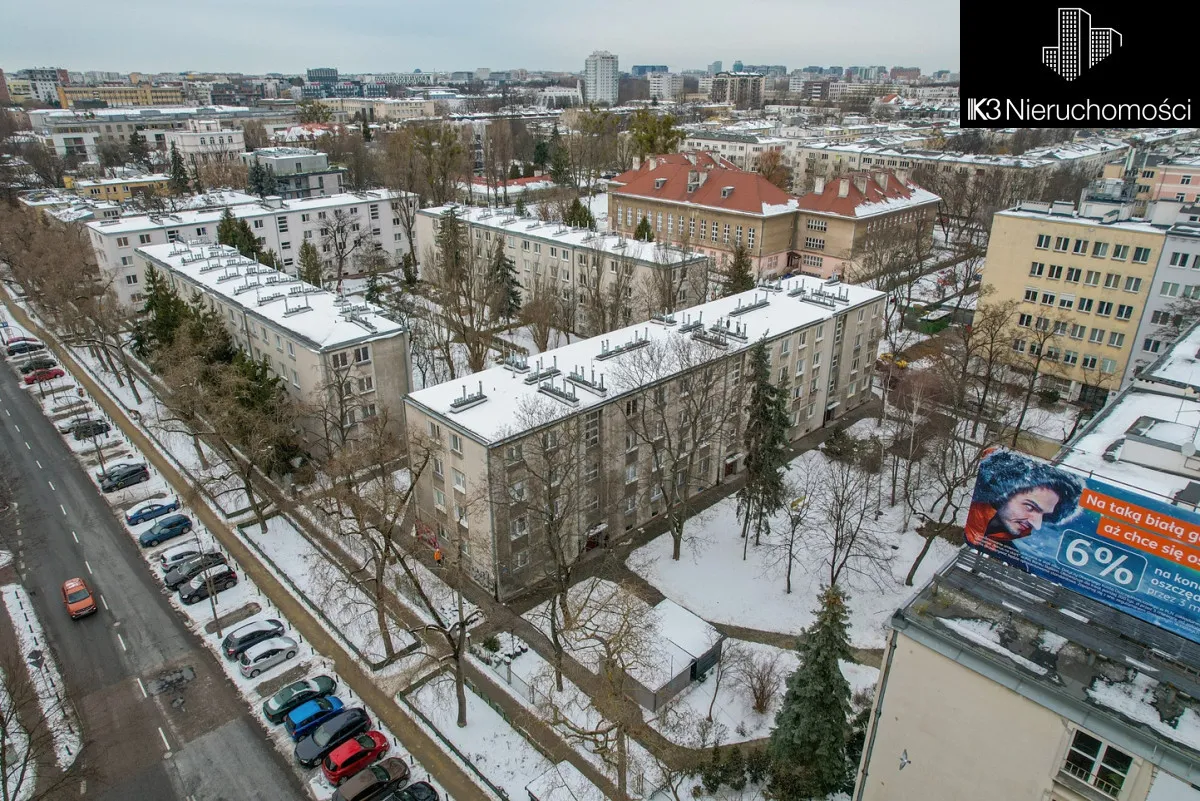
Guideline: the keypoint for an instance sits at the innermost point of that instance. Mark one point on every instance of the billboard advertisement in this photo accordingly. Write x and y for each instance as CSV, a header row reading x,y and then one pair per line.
x,y
1131,551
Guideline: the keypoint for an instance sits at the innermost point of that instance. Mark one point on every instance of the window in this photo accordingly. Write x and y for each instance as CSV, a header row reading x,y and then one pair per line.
x,y
1168,289
1092,278
1048,298
1151,345
456,444
725,234
1042,324
631,505
1019,345
750,237
1141,255
291,349
362,354
435,430
1120,252
513,454
1116,340
631,407
1179,259
1043,242
631,441
1112,280
460,480
1085,305
338,359
1124,312
1031,295
258,224
1055,272
1066,302
814,243
1108,366
516,491
1133,284
631,473
1104,308
131,279
1070,357
286,245
122,241
144,239
438,467
1185,179
282,223
1097,336
1037,268
519,528
1077,331
1100,250
1025,320
1061,243
816,225
714,232
439,499
1080,248
1160,318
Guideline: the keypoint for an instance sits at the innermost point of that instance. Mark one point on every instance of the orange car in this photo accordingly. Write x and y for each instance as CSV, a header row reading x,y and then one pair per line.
x,y
78,598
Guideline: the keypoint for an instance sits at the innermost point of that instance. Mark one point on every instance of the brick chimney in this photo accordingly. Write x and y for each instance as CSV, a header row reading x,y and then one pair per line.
x,y
881,178
653,162
860,183
819,186
843,187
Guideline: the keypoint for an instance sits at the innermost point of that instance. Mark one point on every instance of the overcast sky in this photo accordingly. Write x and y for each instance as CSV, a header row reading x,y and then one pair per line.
x,y
385,35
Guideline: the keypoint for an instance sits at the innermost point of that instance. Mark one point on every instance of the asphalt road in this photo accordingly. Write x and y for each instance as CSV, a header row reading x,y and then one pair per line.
x,y
195,741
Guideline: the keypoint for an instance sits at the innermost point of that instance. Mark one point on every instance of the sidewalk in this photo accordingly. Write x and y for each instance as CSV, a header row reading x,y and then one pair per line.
x,y
416,741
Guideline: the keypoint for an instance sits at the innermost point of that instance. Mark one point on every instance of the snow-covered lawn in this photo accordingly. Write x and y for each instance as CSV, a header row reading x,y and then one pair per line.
x,y
47,681
523,337
499,751
713,581
20,776
324,588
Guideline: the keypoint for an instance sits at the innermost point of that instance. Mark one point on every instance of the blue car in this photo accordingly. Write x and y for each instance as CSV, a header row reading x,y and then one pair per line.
x,y
302,720
150,511
165,529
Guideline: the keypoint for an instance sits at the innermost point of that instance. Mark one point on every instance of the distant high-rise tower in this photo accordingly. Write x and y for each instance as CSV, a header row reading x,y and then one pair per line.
x,y
737,66
714,67
601,78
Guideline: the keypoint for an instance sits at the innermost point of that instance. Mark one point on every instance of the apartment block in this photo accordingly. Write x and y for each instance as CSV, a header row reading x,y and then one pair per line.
x,y
300,172
207,141
281,226
742,90
117,190
380,109
1175,292
137,95
602,279
744,150
1082,284
704,204
318,343
601,78
665,85
573,439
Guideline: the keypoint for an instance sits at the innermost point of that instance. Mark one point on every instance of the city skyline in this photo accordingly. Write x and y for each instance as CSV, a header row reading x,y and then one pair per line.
x,y
368,36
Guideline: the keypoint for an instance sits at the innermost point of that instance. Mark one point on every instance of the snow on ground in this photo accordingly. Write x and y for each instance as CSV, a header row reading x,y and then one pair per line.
x,y
5,559
19,776
598,205
499,751
324,588
1135,700
46,679
713,581
523,337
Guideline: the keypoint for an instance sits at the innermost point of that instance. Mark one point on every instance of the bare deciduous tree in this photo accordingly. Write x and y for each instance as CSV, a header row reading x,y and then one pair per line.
x,y
845,534
760,675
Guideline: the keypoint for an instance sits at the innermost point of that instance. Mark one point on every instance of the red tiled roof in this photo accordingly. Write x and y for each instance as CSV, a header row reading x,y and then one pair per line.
x,y
699,160
750,192
511,182
857,202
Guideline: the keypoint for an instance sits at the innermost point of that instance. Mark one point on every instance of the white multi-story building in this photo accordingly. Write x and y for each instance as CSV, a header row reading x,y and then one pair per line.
x,y
601,77
205,141
299,171
665,85
324,348
281,226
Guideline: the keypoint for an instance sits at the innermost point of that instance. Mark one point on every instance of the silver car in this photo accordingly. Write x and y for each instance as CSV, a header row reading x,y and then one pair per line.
x,y
266,655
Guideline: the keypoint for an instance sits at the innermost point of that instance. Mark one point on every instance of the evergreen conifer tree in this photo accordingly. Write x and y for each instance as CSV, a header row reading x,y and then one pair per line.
x,y
269,185
311,268
227,229
560,159
178,182
741,275
541,154
514,171
408,266
808,744
162,315
197,181
505,286
527,172
580,216
519,209
366,131
139,152
765,443
643,232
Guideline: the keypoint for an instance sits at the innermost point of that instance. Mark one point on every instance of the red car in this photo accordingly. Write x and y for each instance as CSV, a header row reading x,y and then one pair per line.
x,y
353,755
43,375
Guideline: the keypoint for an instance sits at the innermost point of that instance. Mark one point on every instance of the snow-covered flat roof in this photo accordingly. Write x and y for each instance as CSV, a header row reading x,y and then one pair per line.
x,y
329,323
694,635
145,222
143,111
129,179
1180,365
496,418
1141,226
564,235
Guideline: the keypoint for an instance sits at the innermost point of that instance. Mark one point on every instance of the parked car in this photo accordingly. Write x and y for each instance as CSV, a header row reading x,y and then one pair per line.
x,y
38,376
222,578
301,721
189,568
18,348
15,340
174,556
249,634
126,476
296,693
417,791
78,598
149,511
375,781
166,529
329,735
40,363
87,429
114,468
353,755
263,656
67,426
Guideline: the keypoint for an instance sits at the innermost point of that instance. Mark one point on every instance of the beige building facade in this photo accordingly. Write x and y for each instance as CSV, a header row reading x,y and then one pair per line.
x,y
583,443
1081,285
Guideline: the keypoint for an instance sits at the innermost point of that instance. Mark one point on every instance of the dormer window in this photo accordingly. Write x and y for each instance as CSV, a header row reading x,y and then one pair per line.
x,y
726,191
659,183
